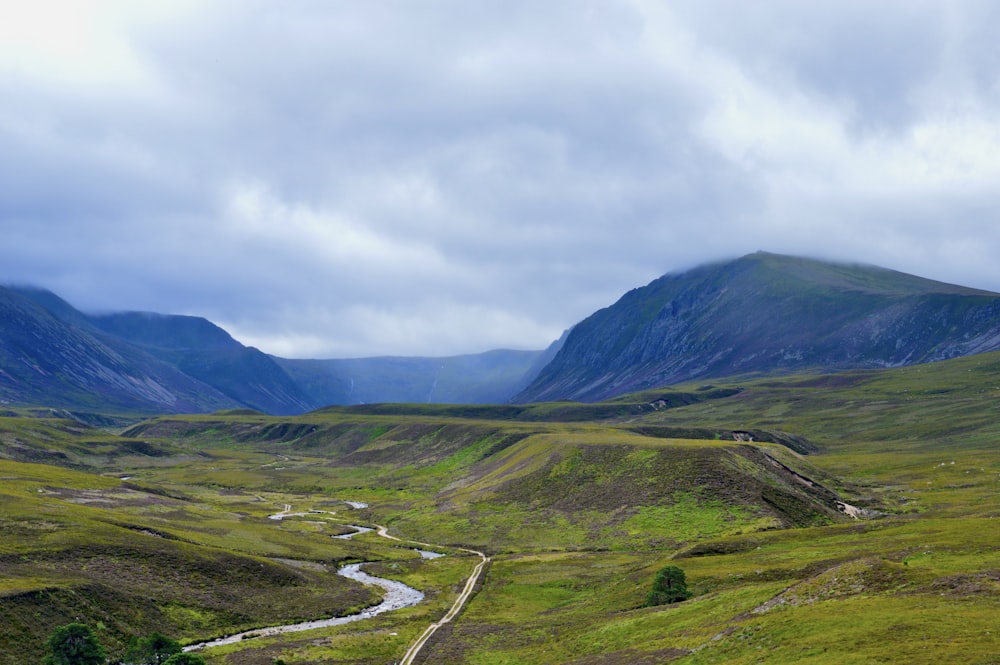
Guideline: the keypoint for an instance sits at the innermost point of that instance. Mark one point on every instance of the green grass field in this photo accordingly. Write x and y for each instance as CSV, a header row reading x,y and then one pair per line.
x,y
165,527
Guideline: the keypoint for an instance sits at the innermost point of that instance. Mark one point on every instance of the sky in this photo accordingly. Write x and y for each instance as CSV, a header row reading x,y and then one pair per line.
x,y
333,178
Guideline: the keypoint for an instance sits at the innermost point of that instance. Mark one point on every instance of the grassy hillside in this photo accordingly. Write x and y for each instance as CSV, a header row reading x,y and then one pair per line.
x,y
135,559
579,505
566,484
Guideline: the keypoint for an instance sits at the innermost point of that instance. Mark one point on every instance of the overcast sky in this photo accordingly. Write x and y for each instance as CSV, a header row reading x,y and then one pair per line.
x,y
329,178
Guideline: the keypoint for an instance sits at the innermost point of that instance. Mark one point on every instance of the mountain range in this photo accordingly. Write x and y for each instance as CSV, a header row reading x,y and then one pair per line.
x,y
54,355
760,314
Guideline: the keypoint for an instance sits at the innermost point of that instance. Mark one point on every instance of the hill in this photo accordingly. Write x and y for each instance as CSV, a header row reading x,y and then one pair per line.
x,y
761,314
766,313
54,355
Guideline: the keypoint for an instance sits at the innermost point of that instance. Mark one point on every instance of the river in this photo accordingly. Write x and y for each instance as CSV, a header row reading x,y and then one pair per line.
x,y
397,596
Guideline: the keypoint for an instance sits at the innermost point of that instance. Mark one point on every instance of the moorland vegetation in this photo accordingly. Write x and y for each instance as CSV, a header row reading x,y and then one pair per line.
x,y
817,518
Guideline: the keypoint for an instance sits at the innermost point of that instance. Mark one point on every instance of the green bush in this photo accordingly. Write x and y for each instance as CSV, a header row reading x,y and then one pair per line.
x,y
152,650
74,644
669,586
185,659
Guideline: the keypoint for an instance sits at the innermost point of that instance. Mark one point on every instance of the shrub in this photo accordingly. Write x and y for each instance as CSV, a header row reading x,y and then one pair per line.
x,y
669,586
152,650
185,659
74,644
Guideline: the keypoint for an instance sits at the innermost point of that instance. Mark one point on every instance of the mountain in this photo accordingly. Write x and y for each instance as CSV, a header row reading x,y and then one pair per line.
x,y
54,355
206,352
766,313
45,359
763,313
135,361
482,378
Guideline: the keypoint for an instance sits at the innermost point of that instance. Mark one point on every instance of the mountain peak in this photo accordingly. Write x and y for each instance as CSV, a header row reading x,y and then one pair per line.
x,y
166,331
766,312
797,271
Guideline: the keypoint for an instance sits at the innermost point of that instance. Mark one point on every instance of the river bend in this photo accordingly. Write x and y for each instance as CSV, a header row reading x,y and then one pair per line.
x,y
397,596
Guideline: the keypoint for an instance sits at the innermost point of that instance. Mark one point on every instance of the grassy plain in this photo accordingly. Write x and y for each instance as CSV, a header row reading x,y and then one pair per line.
x,y
579,505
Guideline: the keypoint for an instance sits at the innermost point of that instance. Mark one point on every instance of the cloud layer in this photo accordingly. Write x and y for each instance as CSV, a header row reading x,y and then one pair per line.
x,y
334,179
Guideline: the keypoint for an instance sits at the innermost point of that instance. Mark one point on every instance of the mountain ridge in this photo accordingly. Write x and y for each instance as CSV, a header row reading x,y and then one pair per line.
x,y
52,354
764,313
47,360
479,378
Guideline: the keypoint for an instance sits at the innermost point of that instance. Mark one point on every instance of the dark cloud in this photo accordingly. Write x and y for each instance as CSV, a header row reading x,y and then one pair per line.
x,y
342,178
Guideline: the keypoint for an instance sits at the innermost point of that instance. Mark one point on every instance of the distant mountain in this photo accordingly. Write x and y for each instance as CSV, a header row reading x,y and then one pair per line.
x,y
482,378
204,351
763,313
766,313
52,354
47,359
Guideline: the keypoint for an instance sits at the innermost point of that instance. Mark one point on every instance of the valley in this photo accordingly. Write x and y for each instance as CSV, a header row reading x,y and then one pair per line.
x,y
759,314
165,525
616,332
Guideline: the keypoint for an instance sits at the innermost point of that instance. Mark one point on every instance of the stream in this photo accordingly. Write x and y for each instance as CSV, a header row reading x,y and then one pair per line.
x,y
397,594
357,530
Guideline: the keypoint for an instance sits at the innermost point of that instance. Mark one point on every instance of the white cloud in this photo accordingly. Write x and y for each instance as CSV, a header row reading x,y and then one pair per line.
x,y
79,44
349,178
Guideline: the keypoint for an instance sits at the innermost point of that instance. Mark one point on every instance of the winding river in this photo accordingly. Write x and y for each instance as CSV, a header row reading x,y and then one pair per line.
x,y
397,594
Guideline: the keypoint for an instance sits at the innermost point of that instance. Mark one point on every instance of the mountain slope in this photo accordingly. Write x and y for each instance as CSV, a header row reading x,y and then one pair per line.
x,y
47,360
202,350
765,313
196,351
159,363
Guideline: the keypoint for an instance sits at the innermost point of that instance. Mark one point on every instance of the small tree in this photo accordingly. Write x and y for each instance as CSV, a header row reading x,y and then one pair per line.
x,y
152,650
668,587
185,659
74,644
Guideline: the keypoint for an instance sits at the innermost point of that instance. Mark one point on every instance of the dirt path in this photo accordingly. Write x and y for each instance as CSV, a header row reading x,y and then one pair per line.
x,y
470,587
397,595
